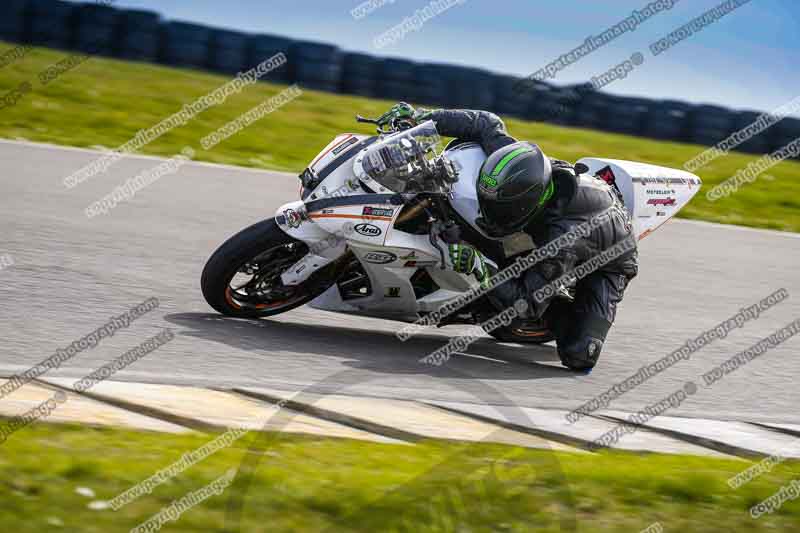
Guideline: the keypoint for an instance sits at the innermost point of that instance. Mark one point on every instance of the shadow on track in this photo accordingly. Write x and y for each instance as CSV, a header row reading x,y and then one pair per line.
x,y
374,350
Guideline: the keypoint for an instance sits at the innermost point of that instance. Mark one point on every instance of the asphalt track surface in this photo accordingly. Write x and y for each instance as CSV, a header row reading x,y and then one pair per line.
x,y
72,273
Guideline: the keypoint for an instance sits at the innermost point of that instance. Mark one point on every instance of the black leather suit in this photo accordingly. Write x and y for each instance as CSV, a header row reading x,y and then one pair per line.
x,y
581,326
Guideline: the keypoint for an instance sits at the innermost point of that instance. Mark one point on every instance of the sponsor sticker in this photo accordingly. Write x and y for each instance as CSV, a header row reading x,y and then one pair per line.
x,y
368,230
378,212
293,218
665,181
380,258
488,181
342,147
666,202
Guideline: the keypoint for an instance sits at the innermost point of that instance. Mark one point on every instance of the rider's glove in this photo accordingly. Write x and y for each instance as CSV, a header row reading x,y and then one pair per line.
x,y
465,259
402,111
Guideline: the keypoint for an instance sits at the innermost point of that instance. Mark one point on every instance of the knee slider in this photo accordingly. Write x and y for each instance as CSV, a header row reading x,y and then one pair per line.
x,y
581,354
582,350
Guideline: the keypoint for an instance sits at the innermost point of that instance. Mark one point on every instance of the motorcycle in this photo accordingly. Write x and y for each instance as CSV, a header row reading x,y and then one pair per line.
x,y
366,237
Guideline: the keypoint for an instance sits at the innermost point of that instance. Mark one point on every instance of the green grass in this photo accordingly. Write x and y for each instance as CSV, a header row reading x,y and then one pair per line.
x,y
105,102
303,483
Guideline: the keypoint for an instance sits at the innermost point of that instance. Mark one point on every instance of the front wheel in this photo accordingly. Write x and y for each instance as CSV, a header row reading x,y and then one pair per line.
x,y
243,277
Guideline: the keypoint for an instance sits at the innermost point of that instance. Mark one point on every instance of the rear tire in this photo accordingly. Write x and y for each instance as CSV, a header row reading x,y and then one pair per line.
x,y
524,332
233,255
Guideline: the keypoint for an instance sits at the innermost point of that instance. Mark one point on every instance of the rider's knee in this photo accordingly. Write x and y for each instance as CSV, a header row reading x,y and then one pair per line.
x,y
580,354
581,349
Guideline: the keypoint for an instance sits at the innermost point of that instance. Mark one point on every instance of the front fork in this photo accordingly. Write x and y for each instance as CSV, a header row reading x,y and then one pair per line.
x,y
324,247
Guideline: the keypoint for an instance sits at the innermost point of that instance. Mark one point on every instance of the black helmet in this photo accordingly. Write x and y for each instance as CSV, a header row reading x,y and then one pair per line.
x,y
514,186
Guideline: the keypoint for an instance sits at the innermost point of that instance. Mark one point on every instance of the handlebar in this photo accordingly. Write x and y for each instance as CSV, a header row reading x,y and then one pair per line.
x,y
359,118
378,127
396,125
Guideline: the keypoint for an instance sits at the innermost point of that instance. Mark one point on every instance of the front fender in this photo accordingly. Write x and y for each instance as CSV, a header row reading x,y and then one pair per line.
x,y
324,247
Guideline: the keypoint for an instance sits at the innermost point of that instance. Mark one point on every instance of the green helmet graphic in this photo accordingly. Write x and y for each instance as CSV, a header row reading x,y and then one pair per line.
x,y
514,186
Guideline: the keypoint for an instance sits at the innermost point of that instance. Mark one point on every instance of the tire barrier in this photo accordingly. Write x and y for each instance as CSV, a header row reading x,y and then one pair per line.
x,y
431,88
784,132
228,52
360,74
758,144
593,111
262,47
139,35
509,100
668,120
396,80
97,29
50,23
627,115
144,36
468,88
710,124
315,65
12,23
185,45
557,106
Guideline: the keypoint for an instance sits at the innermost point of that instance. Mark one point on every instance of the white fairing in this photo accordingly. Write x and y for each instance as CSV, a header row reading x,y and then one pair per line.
x,y
652,194
336,148
390,257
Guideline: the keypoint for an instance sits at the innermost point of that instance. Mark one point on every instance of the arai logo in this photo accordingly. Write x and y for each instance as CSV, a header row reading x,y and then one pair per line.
x,y
368,230
380,258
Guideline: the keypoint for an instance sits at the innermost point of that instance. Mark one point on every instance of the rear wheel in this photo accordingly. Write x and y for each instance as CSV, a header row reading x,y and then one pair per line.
x,y
243,277
524,332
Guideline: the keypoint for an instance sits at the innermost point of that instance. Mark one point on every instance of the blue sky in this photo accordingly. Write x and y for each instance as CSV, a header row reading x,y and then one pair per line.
x,y
747,60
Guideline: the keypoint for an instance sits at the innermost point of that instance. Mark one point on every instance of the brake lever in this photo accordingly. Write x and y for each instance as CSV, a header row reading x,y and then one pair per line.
x,y
359,118
377,123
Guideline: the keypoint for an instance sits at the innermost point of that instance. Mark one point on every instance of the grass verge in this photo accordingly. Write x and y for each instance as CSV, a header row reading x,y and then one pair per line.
x,y
105,102
306,483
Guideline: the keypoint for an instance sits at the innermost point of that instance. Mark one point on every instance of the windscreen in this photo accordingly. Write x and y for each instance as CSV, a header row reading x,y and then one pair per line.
x,y
403,162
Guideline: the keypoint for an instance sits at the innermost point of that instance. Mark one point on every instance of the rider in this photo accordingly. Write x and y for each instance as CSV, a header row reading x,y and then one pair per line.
x,y
521,190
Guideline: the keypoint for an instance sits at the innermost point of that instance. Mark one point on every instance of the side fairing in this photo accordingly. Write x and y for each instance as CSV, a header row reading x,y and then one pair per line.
x,y
336,148
366,223
332,169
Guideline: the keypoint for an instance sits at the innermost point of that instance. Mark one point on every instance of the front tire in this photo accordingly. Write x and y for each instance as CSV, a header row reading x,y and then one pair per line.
x,y
263,252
